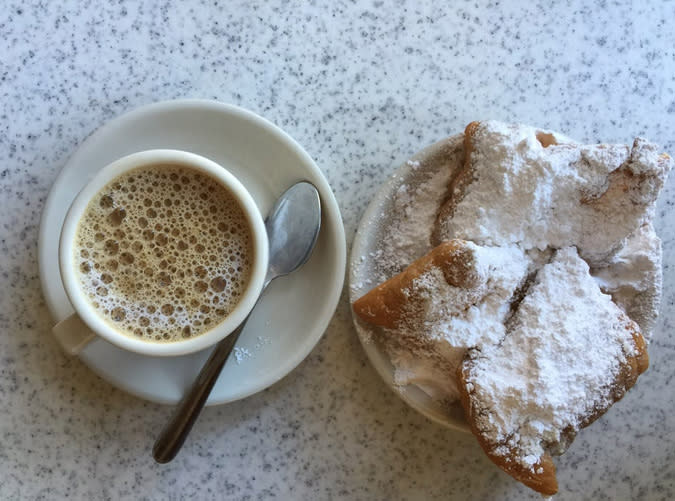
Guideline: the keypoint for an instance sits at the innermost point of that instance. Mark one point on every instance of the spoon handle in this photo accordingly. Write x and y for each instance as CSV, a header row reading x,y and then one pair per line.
x,y
175,432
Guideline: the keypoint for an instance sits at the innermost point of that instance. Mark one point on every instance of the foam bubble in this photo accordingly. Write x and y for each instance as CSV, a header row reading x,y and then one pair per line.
x,y
168,263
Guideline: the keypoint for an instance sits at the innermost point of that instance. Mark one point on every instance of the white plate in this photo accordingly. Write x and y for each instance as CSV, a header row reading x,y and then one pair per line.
x,y
373,246
290,318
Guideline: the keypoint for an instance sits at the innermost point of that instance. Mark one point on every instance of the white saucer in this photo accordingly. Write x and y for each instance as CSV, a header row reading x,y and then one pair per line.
x,y
290,318
373,247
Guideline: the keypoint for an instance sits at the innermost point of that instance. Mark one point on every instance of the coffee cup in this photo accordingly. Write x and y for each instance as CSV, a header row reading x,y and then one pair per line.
x,y
162,253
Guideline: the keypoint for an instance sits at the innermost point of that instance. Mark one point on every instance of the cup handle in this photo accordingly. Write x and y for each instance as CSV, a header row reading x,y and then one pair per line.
x,y
73,334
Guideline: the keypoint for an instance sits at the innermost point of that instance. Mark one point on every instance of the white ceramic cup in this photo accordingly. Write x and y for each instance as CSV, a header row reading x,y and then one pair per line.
x,y
75,332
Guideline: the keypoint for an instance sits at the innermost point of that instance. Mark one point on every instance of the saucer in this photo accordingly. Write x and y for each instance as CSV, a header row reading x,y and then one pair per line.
x,y
290,318
373,260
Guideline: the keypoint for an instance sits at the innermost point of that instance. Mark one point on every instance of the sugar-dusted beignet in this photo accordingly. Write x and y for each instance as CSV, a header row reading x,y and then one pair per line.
x,y
568,355
524,186
397,299
459,292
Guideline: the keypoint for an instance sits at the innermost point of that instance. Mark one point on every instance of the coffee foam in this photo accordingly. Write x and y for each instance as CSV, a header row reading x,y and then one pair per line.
x,y
164,253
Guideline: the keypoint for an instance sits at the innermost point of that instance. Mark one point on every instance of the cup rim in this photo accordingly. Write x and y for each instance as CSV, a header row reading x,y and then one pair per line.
x,y
102,327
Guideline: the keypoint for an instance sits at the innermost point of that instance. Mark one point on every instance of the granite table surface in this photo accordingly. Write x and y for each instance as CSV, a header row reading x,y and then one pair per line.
x,y
361,85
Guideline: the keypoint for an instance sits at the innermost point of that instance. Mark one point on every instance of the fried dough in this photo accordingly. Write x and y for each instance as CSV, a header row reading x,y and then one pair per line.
x,y
537,189
395,301
526,398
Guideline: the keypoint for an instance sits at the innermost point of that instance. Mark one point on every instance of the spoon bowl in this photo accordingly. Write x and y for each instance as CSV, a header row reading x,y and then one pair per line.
x,y
291,243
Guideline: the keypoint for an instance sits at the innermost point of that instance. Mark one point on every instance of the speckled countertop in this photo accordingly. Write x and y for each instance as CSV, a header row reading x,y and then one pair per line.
x,y
361,85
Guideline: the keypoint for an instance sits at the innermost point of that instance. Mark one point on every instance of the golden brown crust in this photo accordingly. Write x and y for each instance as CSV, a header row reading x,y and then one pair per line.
x,y
457,184
387,303
642,358
469,132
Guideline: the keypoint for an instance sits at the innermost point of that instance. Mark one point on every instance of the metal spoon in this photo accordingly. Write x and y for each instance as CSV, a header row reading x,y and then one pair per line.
x,y
292,229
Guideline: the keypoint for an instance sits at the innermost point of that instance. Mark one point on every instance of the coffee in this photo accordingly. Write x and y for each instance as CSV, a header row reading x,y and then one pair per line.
x,y
164,252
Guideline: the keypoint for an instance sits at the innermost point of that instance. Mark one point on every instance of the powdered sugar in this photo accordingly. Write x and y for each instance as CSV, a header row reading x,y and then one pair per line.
x,y
415,208
557,366
534,196
241,354
633,277
456,318
471,317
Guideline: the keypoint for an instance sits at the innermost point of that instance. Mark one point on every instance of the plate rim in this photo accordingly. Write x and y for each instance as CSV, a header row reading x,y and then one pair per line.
x,y
329,201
